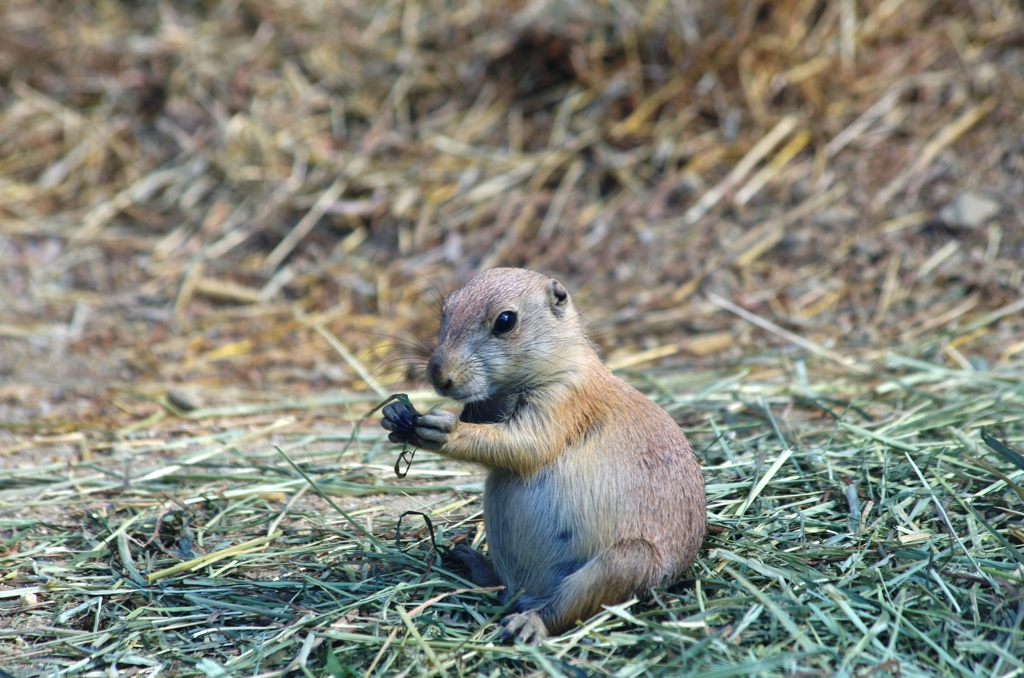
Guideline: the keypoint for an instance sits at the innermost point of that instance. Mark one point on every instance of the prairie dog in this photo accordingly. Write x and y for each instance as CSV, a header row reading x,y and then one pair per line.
x,y
593,493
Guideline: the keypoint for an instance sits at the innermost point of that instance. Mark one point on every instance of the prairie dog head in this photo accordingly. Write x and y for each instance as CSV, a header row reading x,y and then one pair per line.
x,y
507,329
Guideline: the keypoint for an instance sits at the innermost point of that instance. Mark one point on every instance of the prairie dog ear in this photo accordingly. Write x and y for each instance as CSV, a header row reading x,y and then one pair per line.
x,y
558,296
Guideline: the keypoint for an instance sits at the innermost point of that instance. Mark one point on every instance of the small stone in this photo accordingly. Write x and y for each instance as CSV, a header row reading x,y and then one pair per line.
x,y
185,399
970,209
840,215
870,247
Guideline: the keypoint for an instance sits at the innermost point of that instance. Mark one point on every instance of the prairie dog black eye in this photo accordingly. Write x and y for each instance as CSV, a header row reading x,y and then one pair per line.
x,y
505,321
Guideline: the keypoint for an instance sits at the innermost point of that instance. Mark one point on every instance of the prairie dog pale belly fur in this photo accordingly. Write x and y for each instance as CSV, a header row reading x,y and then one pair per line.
x,y
593,492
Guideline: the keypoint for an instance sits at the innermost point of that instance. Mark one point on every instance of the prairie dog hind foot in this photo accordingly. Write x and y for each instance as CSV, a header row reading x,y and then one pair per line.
x,y
477,569
525,627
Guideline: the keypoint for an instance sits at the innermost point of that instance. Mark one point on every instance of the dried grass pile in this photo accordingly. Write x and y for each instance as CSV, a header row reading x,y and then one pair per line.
x,y
224,226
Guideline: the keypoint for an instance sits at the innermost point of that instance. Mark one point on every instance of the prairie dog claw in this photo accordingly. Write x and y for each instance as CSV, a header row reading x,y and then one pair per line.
x,y
525,627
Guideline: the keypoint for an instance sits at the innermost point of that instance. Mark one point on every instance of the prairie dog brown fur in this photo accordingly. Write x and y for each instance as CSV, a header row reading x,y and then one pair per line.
x,y
593,493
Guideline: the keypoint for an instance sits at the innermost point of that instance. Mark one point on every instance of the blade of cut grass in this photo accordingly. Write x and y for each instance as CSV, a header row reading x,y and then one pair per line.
x,y
763,481
316,488
783,618
786,334
211,558
427,650
891,442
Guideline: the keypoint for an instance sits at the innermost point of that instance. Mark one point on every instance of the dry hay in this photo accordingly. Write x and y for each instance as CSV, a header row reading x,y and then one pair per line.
x,y
224,226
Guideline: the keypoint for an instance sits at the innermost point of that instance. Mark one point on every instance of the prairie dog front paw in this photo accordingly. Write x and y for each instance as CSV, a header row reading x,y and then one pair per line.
x,y
429,431
433,428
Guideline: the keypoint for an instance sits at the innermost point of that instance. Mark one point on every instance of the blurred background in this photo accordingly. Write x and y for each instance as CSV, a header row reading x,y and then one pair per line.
x,y
248,199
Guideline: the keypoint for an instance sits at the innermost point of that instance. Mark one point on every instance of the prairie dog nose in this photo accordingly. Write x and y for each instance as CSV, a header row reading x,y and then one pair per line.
x,y
437,378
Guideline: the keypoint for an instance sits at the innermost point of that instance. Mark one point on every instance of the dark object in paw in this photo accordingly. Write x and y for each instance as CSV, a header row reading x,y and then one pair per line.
x,y
400,418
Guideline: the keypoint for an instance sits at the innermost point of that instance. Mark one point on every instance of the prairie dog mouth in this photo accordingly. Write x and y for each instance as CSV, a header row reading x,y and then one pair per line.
x,y
465,394
466,391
